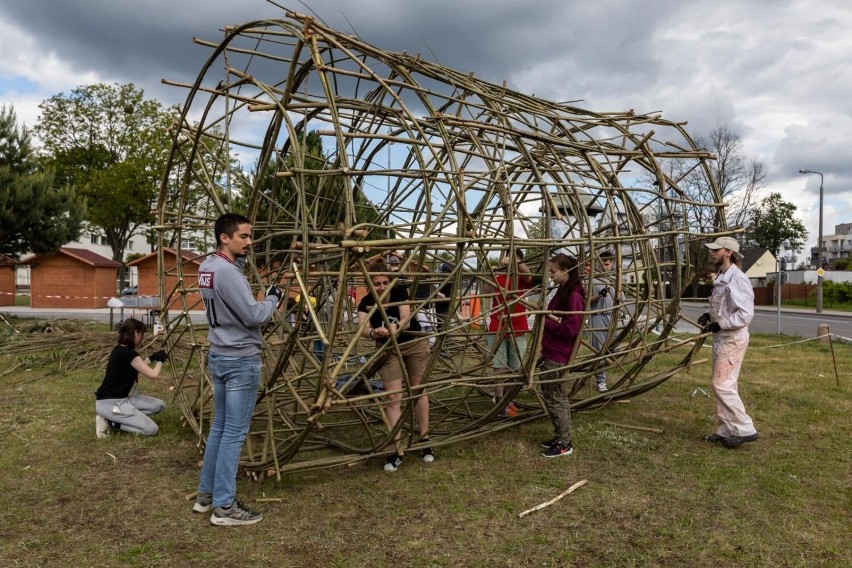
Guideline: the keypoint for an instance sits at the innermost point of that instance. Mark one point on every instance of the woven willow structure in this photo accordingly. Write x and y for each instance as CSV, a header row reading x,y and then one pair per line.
x,y
433,163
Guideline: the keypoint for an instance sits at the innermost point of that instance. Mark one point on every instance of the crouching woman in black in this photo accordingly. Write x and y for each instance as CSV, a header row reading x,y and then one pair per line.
x,y
119,403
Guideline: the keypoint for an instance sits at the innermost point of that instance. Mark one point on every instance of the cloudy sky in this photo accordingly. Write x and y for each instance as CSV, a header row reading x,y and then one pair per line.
x,y
778,72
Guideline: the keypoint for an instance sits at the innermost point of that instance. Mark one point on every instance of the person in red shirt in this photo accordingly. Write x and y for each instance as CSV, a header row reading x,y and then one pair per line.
x,y
508,327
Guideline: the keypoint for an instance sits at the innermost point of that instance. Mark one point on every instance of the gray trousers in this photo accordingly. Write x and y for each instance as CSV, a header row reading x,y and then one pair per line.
x,y
133,412
598,340
556,399
599,325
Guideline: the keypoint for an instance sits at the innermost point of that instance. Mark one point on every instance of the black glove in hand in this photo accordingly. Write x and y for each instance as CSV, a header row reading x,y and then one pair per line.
x,y
274,291
160,356
704,319
604,292
712,328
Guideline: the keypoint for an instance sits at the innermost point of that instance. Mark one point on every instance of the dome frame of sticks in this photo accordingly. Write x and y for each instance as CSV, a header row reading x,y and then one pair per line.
x,y
356,153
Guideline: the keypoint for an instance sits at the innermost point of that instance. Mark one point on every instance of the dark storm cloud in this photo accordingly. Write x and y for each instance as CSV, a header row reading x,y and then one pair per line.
x,y
777,73
592,44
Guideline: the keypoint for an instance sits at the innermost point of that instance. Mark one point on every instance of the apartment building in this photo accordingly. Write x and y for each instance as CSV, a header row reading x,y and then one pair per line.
x,y
835,247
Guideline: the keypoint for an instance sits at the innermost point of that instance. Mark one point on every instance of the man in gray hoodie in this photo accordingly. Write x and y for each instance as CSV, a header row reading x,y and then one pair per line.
x,y
234,318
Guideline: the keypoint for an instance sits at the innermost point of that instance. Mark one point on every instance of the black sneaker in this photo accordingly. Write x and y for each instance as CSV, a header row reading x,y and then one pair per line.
x,y
713,438
737,441
392,463
236,514
547,444
558,449
427,455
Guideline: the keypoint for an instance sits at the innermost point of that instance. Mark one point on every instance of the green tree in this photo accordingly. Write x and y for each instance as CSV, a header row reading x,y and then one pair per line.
x,y
110,144
35,216
773,223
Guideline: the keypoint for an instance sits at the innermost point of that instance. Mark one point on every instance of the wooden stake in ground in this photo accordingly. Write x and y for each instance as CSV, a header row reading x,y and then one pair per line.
x,y
833,360
555,499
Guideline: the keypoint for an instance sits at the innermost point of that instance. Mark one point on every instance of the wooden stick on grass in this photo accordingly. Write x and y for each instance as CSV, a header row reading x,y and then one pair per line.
x,y
555,499
641,428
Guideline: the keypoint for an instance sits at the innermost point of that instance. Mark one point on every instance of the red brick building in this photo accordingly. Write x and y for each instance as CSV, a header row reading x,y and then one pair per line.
x,y
149,276
7,280
72,278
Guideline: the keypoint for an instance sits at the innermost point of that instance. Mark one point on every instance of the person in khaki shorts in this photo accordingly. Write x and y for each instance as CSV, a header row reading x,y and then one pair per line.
x,y
400,325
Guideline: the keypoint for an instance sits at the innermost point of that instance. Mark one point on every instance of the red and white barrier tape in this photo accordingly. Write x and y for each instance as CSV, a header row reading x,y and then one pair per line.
x,y
72,297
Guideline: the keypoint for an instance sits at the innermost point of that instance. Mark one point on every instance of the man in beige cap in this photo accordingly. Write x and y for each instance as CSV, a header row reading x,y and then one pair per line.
x,y
731,310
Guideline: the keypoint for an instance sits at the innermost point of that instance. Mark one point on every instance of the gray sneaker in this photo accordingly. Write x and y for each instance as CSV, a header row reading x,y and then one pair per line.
x,y
203,503
236,514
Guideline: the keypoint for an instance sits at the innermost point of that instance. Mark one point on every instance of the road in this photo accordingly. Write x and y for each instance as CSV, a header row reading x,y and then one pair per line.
x,y
802,323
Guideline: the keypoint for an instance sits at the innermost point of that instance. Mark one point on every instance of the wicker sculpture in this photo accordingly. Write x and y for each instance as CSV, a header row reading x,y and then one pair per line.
x,y
429,162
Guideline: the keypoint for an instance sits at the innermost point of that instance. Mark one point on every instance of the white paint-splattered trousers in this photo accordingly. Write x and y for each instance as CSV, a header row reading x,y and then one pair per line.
x,y
729,349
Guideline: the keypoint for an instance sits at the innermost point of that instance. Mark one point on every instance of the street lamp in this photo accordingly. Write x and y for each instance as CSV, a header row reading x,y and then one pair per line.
x,y
819,241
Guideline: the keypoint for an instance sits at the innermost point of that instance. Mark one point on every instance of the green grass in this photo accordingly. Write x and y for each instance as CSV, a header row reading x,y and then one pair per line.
x,y
651,499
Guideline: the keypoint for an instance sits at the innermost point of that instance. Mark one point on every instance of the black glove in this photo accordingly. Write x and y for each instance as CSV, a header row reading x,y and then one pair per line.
x,y
704,319
604,291
160,356
713,328
274,291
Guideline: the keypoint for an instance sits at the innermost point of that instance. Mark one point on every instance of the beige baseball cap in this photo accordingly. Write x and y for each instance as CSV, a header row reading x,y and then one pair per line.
x,y
729,243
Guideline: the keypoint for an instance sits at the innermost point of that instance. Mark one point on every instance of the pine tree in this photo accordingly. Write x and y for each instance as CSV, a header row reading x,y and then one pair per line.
x,y
35,216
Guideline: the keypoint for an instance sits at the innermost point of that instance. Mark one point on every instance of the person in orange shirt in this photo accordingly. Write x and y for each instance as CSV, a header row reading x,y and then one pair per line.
x,y
508,326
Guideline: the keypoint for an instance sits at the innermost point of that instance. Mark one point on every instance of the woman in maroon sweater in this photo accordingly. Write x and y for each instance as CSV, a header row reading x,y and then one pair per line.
x,y
561,327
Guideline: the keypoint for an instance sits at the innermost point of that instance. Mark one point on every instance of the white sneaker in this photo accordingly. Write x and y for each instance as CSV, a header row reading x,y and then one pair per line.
x,y
101,426
602,387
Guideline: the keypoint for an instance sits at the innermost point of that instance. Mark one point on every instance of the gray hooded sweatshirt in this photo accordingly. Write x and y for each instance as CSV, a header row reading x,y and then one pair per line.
x,y
232,312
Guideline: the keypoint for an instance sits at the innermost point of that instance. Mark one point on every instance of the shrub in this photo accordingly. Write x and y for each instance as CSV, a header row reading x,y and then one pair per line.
x,y
836,293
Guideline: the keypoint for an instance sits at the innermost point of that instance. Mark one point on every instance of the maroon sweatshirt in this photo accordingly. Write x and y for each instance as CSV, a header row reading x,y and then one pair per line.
x,y
558,340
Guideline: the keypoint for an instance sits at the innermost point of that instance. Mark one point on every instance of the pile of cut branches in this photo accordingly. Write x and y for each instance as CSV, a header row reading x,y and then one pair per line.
x,y
55,346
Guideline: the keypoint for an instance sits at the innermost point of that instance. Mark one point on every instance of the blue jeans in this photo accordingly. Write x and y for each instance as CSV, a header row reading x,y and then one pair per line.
x,y
235,383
